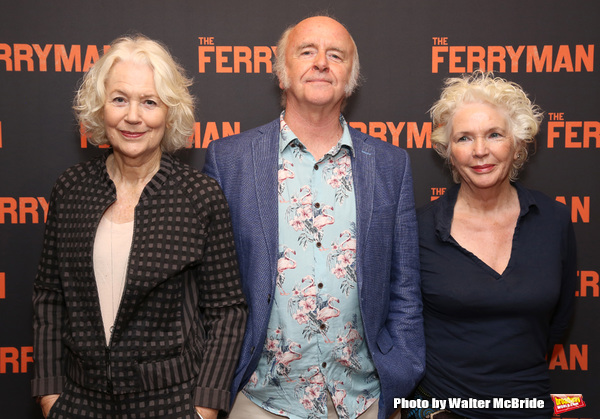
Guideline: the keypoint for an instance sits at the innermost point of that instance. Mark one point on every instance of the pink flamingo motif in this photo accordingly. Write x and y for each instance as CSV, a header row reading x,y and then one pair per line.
x,y
254,379
323,219
367,402
284,173
284,263
352,335
327,313
306,199
338,396
285,358
349,243
310,290
317,378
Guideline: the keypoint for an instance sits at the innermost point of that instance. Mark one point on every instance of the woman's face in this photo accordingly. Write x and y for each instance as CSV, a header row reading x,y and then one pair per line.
x,y
135,119
481,148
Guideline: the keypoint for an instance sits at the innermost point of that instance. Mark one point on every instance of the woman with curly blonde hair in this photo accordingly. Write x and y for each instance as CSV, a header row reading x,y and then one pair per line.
x,y
498,260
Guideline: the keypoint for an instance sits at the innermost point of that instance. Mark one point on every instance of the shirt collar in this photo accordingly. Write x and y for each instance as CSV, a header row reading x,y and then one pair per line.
x,y
445,210
287,137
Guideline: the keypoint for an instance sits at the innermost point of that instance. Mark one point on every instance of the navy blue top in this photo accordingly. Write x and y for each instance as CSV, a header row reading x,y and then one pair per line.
x,y
487,333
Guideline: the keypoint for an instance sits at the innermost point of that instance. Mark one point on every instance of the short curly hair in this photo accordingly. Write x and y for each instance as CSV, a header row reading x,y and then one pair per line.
x,y
524,117
171,83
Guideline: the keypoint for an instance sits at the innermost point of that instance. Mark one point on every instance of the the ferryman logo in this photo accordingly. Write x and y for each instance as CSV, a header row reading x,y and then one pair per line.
x,y
565,402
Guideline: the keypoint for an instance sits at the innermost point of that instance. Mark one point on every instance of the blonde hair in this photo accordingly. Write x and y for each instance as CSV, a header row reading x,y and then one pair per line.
x,y
169,79
524,117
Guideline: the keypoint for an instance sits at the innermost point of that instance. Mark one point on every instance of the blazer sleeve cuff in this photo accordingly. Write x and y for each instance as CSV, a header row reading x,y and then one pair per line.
x,y
212,398
48,385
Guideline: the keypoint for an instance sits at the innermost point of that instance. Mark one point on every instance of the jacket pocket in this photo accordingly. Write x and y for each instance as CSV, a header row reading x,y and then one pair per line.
x,y
384,341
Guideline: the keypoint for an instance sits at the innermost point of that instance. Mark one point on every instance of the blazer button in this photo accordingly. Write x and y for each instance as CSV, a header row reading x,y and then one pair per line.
x,y
269,299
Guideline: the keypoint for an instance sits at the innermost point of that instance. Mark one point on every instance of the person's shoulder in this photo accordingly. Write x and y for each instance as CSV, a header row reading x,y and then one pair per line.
x,y
548,204
429,207
198,186
236,140
190,177
80,173
374,142
441,208
428,210
381,148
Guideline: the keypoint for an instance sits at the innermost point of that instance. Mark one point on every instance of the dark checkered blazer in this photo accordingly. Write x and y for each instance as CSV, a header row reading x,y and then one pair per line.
x,y
182,313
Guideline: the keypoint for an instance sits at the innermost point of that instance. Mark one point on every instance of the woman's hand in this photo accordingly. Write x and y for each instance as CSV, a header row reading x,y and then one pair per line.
x,y
207,413
46,403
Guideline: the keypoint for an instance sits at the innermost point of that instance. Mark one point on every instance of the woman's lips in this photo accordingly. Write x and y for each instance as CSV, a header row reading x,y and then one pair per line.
x,y
483,168
131,135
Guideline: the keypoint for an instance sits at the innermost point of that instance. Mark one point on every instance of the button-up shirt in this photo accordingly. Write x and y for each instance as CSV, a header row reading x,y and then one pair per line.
x,y
315,341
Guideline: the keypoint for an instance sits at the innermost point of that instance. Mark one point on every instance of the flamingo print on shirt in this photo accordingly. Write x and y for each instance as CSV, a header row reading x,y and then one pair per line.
x,y
283,264
284,173
342,259
280,352
315,341
346,346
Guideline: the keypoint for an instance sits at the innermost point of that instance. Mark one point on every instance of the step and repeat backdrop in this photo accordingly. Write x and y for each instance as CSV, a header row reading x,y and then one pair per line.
x,y
407,48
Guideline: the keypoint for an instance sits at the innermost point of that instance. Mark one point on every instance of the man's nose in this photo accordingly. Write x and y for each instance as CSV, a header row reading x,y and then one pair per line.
x,y
321,61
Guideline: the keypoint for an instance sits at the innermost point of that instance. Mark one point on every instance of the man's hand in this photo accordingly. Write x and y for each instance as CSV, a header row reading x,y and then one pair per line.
x,y
46,403
207,413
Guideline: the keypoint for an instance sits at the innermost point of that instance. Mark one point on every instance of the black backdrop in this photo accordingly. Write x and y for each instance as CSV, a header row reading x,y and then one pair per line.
x,y
406,48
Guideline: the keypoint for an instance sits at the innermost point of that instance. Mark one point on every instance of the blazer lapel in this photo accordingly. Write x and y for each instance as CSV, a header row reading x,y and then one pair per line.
x,y
363,175
265,157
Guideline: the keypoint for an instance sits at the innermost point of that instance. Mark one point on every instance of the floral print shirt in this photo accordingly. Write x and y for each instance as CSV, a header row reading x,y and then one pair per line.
x,y
315,341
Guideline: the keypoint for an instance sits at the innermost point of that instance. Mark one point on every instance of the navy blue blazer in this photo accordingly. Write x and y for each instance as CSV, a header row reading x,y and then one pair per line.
x,y
245,165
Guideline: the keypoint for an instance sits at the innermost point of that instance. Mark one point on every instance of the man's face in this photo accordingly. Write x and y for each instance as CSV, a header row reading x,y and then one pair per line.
x,y
318,64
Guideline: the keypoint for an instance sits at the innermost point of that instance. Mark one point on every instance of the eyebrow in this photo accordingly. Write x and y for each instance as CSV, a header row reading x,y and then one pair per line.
x,y
115,91
307,45
492,129
142,95
313,45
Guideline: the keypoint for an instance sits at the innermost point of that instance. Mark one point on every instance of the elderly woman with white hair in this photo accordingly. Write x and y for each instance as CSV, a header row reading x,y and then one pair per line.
x,y
498,261
138,308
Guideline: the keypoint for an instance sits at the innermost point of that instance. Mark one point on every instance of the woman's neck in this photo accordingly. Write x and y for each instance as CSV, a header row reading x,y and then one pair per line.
x,y
486,200
125,171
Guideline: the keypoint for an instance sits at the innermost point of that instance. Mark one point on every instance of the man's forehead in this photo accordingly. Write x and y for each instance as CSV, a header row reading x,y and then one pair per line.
x,y
320,21
335,46
329,32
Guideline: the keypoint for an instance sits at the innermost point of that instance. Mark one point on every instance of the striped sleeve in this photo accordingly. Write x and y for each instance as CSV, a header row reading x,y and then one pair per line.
x,y
223,307
48,306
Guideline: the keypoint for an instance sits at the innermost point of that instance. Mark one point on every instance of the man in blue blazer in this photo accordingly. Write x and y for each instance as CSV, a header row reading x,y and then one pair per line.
x,y
326,235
